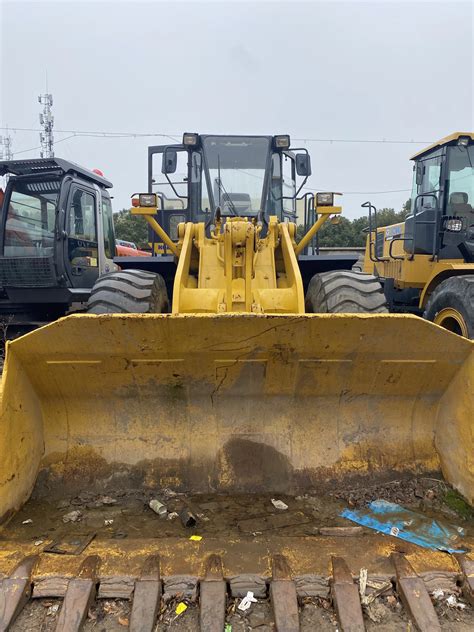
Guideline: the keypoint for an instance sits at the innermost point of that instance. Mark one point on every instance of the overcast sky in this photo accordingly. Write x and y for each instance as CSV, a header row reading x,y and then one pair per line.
x,y
317,70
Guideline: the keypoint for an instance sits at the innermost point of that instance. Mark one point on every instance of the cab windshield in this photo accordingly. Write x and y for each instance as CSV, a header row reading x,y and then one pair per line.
x,y
31,218
236,168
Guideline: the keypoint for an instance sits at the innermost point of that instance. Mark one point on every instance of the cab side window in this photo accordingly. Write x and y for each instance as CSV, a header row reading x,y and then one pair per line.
x,y
82,229
108,227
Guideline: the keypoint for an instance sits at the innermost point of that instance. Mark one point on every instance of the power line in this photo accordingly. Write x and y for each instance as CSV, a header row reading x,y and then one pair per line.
x,y
176,136
24,151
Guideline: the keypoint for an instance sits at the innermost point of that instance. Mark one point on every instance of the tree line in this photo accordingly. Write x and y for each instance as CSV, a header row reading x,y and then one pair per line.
x,y
347,233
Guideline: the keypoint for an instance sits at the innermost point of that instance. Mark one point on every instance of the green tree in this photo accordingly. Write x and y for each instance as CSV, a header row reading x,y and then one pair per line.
x,y
131,228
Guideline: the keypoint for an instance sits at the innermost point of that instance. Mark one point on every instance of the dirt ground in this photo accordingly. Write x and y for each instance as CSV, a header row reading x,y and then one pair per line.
x,y
317,614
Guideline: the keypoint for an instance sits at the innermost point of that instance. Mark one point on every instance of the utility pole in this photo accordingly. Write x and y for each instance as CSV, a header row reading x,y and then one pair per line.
x,y
46,119
6,147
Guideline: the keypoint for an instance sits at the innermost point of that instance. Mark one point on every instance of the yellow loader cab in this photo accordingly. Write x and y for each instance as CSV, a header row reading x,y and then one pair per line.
x,y
426,264
238,378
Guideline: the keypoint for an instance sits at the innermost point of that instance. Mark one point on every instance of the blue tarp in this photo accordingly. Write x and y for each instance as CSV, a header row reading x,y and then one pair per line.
x,y
392,519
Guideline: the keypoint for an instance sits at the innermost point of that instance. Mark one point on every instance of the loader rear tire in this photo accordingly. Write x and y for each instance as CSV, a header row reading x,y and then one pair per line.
x,y
345,292
451,305
129,292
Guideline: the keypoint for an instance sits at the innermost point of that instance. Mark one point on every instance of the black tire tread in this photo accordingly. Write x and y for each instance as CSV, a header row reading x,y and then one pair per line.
x,y
129,292
345,292
457,292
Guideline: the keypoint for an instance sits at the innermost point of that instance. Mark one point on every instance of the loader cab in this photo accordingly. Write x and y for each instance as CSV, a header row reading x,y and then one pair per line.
x,y
56,232
441,222
250,176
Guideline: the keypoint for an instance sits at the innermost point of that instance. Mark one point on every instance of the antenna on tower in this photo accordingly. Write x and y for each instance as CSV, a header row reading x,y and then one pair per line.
x,y
6,147
46,119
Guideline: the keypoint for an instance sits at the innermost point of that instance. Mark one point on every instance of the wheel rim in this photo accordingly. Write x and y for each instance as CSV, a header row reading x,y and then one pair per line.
x,y
452,320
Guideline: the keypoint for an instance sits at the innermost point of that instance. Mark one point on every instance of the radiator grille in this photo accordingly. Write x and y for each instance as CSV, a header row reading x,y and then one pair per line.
x,y
27,272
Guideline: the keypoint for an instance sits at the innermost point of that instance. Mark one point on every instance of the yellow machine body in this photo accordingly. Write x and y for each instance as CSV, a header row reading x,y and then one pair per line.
x,y
421,271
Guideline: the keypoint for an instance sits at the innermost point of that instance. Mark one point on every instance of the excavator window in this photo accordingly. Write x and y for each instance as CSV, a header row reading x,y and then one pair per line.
x,y
82,230
31,218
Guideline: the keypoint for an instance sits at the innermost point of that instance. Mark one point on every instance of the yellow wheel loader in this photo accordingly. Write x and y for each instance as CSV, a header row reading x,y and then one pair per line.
x,y
426,264
245,387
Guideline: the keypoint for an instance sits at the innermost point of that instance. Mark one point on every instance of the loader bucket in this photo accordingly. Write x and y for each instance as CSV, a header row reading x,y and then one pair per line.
x,y
233,403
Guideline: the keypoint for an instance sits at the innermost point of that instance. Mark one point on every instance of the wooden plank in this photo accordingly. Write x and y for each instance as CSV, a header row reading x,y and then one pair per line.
x,y
283,596
345,596
15,591
414,595
147,597
79,595
467,577
213,596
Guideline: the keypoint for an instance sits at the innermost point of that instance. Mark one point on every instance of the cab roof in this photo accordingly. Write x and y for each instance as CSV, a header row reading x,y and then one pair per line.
x,y
37,166
444,141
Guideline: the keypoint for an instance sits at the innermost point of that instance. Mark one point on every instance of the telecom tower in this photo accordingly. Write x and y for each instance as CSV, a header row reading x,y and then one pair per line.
x,y
47,121
6,147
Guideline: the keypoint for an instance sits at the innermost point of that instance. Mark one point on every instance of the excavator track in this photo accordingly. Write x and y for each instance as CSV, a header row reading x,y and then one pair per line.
x,y
290,575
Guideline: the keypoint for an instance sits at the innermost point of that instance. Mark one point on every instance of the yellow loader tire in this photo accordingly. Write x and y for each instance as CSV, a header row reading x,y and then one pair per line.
x,y
345,292
451,305
129,292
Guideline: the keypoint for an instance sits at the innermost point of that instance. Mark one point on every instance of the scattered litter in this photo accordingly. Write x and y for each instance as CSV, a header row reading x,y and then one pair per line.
x,y
378,587
438,594
247,601
158,507
279,504
377,611
340,531
391,519
188,519
181,607
196,538
123,621
172,515
39,542
72,516
107,500
52,610
108,522
28,521
452,602
228,627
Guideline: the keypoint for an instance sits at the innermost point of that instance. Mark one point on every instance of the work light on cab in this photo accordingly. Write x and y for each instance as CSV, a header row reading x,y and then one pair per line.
x,y
190,140
281,142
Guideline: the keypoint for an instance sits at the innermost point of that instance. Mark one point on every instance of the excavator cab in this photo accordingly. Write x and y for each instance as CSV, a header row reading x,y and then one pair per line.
x,y
56,237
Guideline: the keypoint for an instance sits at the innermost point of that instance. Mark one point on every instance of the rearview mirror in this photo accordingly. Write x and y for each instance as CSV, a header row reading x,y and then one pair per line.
x,y
303,165
170,160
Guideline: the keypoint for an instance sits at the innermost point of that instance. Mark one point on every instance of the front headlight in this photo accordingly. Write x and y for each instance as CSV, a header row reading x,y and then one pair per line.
x,y
147,200
453,225
324,199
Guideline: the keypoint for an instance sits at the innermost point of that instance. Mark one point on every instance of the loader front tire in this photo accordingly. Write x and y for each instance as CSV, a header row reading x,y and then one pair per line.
x,y
451,305
345,292
129,292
